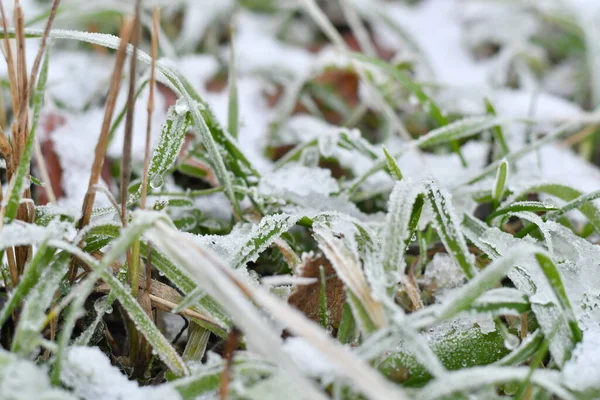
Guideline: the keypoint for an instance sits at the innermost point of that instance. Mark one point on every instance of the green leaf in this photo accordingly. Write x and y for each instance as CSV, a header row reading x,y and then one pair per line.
x,y
394,169
408,83
232,109
553,276
497,130
41,259
33,316
263,235
463,298
448,227
455,348
172,138
500,183
517,155
522,206
191,170
397,232
142,221
460,129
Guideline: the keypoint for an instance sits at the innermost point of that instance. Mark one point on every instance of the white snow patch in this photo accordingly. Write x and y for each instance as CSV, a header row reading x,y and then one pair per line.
x,y
92,377
308,358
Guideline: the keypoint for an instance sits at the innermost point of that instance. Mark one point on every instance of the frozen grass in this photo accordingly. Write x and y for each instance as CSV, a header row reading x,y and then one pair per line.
x,y
300,199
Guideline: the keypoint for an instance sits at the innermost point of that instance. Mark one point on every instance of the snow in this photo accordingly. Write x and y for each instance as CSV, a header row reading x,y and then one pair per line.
x,y
582,371
444,274
257,49
92,377
308,358
23,380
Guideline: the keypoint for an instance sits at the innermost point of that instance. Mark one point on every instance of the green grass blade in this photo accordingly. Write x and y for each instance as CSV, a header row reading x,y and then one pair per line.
x,y
172,137
394,169
263,235
522,206
397,232
464,297
408,83
233,109
497,130
500,182
33,316
461,129
448,227
551,272
41,259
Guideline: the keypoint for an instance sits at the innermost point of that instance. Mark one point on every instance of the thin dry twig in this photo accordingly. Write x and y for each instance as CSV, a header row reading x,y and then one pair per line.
x,y
230,346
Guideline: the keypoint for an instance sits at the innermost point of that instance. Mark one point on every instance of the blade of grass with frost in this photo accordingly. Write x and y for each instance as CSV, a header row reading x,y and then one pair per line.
x,y
87,335
219,282
378,98
463,298
233,107
101,235
497,130
394,169
528,347
502,301
474,229
522,206
172,137
448,227
467,380
203,117
139,224
195,348
517,155
460,129
500,182
553,276
41,259
20,177
237,161
213,274
456,130
33,315
264,235
397,232
183,88
323,298
351,274
187,285
408,83
208,378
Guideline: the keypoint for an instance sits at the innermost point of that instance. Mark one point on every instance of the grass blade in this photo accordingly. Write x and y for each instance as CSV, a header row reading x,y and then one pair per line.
x,y
448,227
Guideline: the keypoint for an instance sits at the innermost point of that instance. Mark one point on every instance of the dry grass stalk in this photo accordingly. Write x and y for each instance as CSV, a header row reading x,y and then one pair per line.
x,y
102,143
230,346
8,56
152,84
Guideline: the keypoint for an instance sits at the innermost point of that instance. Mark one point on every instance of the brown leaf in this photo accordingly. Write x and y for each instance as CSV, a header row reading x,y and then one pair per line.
x,y
306,297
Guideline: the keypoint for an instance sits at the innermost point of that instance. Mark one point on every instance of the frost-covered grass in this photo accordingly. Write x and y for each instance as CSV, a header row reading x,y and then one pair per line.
x,y
300,199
